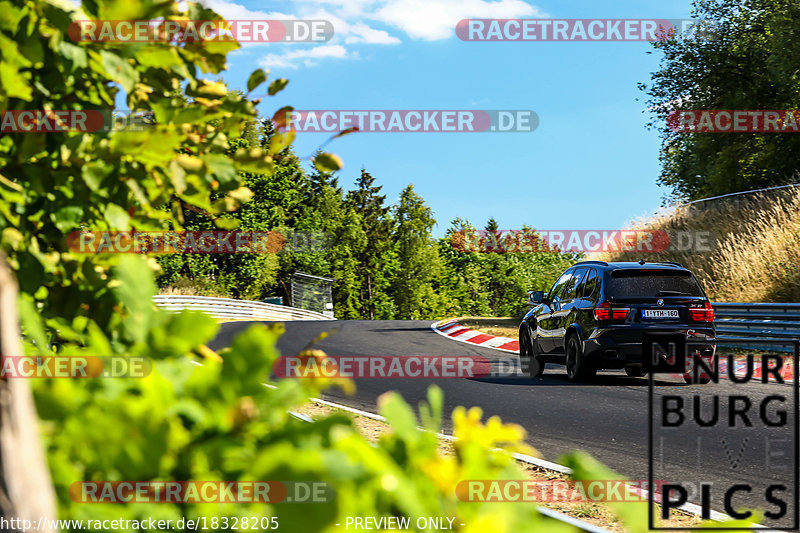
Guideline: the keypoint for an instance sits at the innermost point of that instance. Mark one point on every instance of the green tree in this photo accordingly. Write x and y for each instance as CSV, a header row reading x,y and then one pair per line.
x,y
420,268
376,261
466,278
751,61
340,227
493,280
350,242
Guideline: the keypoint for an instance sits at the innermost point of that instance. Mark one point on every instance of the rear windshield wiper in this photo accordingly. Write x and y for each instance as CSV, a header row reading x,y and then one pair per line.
x,y
672,293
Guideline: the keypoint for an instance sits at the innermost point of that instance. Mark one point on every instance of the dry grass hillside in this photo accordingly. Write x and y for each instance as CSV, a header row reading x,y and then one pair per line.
x,y
755,252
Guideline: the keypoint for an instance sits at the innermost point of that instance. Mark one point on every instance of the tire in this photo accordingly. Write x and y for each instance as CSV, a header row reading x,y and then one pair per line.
x,y
530,362
634,371
577,368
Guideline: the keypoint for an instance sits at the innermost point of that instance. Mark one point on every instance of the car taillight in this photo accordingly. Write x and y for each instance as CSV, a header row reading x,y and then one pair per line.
x,y
604,311
702,314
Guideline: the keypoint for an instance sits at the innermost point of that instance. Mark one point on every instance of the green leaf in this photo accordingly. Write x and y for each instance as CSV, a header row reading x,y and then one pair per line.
x,y
280,141
119,70
248,363
226,223
256,78
160,57
117,217
182,332
431,412
15,85
215,52
211,89
191,115
94,173
33,50
10,15
31,321
194,325
242,194
222,168
97,340
277,86
76,54
254,160
177,175
398,413
151,147
326,162
585,468
12,238
134,287
67,218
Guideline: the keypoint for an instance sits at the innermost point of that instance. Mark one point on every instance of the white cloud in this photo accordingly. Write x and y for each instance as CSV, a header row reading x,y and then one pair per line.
x,y
436,19
233,11
352,31
355,21
361,33
347,8
306,57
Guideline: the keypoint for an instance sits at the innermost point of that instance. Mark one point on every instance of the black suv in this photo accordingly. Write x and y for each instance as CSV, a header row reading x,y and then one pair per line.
x,y
596,315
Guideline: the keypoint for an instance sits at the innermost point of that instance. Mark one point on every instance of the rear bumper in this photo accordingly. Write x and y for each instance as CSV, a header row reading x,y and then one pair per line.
x,y
618,347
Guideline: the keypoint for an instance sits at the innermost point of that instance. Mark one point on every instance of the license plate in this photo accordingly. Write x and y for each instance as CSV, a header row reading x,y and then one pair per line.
x,y
660,313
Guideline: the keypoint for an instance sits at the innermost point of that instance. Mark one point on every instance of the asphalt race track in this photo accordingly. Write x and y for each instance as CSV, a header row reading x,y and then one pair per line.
x,y
608,418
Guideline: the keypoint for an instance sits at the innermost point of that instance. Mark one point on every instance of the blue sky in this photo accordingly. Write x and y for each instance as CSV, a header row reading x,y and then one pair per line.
x,y
590,164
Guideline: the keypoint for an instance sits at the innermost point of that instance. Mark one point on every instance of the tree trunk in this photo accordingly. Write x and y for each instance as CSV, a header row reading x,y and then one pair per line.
x,y
26,490
369,295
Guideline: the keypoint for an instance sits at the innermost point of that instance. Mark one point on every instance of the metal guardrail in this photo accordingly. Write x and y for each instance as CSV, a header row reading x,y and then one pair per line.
x,y
767,320
230,309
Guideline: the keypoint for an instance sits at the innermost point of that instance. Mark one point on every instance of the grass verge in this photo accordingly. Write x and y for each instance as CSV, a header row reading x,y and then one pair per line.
x,y
502,327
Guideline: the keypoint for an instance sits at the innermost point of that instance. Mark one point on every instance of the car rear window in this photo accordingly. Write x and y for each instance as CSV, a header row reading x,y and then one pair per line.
x,y
640,283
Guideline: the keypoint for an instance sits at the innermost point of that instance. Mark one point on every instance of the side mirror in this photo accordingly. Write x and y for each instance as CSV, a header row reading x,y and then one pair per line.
x,y
535,297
